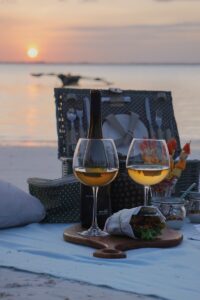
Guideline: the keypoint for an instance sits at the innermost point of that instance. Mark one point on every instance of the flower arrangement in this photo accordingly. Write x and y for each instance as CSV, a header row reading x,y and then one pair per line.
x,y
166,187
177,167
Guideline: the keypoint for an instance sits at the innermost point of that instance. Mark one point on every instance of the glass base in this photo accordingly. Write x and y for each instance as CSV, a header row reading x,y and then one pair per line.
x,y
96,231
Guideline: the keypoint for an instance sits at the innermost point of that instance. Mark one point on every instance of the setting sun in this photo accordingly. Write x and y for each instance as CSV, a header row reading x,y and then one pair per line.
x,y
32,52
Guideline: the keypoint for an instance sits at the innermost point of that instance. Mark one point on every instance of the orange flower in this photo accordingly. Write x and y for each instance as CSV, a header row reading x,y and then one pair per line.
x,y
186,148
172,145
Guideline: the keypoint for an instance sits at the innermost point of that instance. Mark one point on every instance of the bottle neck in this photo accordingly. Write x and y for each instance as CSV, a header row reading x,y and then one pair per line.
x,y
95,129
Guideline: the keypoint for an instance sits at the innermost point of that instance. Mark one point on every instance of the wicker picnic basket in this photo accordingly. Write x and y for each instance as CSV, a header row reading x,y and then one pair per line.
x,y
124,192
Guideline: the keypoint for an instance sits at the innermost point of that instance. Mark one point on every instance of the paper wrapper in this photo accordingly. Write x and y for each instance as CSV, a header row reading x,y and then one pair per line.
x,y
119,222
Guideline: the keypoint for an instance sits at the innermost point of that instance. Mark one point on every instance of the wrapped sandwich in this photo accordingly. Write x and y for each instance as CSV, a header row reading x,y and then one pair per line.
x,y
142,222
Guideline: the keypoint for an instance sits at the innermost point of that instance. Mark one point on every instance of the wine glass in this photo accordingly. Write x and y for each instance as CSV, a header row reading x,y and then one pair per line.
x,y
95,163
148,163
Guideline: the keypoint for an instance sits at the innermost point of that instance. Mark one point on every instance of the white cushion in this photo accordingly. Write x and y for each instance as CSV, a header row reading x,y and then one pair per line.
x,y
17,207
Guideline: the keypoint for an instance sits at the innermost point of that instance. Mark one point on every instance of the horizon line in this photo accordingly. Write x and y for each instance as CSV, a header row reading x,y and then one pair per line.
x,y
95,63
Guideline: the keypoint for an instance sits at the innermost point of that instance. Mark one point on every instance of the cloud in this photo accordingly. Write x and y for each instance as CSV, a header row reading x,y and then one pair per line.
x,y
177,42
165,26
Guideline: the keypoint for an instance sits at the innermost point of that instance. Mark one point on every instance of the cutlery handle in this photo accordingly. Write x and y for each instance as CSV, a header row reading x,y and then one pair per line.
x,y
132,123
152,133
73,134
160,134
66,166
81,131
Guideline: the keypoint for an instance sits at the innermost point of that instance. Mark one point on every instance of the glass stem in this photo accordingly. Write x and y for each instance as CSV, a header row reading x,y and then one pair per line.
x,y
94,214
146,194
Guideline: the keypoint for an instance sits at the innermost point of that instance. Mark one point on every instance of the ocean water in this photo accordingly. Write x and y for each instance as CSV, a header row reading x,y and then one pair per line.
x,y
27,114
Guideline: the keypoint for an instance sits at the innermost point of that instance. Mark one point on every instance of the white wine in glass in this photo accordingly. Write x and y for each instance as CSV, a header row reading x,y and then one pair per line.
x,y
95,163
148,162
95,176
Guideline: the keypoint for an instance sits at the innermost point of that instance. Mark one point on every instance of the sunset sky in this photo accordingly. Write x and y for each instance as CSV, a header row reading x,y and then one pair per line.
x,y
100,30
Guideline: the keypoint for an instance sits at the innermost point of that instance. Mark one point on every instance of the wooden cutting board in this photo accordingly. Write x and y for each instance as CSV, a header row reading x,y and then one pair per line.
x,y
113,246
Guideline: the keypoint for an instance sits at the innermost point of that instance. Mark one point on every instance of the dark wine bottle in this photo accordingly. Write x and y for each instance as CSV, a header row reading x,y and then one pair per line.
x,y
104,202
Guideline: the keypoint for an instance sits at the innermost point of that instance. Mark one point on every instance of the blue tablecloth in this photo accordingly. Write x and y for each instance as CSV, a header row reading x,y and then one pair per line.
x,y
172,273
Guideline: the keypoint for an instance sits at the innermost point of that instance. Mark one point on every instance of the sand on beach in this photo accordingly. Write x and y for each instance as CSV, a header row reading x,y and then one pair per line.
x,y
15,285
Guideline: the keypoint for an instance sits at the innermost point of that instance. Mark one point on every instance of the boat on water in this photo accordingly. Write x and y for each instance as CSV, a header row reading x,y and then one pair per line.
x,y
69,79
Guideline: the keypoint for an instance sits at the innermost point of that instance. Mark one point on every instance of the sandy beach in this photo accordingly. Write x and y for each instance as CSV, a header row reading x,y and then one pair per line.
x,y
17,164
18,285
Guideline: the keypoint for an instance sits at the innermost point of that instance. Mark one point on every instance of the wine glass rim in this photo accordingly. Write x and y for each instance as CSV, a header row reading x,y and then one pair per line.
x,y
95,139
147,139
